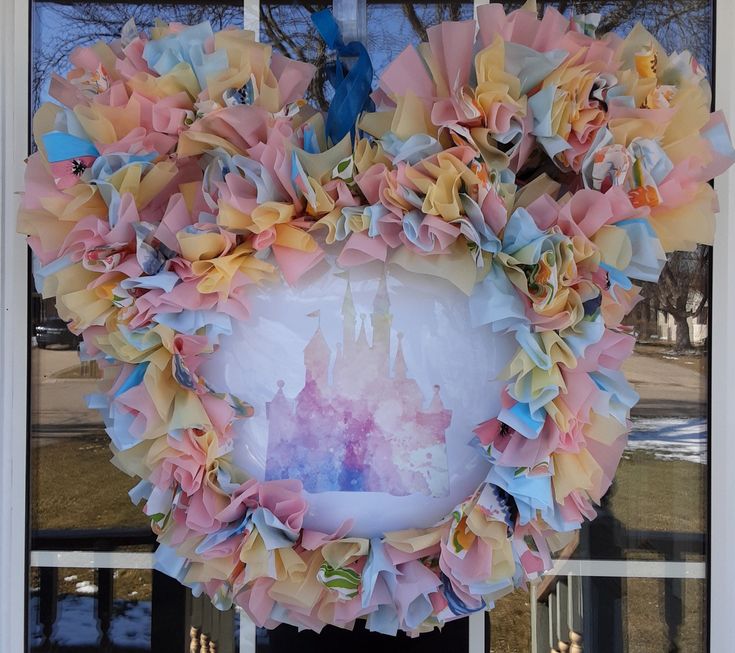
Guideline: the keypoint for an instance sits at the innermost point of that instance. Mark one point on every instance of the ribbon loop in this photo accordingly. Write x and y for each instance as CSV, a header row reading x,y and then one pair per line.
x,y
352,84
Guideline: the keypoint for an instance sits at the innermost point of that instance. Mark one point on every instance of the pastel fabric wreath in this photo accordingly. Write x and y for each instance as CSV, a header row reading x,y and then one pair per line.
x,y
539,169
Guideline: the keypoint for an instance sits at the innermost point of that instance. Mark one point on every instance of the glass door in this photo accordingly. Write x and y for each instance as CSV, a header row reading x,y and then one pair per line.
x,y
634,580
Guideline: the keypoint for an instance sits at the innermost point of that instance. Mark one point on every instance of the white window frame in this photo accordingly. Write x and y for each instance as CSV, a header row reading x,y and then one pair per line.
x,y
14,45
14,109
722,425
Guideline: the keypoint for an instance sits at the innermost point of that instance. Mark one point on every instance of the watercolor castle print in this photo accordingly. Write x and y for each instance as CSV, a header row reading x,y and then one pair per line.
x,y
365,431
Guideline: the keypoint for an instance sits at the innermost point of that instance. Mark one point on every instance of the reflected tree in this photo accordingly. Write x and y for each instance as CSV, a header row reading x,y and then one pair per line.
x,y
683,291
288,28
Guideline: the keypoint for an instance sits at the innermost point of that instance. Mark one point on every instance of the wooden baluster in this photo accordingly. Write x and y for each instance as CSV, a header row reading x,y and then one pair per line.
x,y
562,614
194,640
204,643
539,627
576,640
48,602
576,619
224,631
673,609
544,616
553,620
104,606
169,627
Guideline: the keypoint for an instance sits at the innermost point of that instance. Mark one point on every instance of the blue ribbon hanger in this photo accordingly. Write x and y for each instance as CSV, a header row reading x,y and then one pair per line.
x,y
352,86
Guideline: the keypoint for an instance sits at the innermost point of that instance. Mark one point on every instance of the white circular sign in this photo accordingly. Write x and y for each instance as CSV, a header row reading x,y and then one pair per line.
x,y
367,385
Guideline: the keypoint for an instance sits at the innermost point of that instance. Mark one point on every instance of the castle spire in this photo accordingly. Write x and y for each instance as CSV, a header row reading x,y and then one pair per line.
x,y
316,358
381,303
399,367
279,404
381,321
348,322
436,405
362,343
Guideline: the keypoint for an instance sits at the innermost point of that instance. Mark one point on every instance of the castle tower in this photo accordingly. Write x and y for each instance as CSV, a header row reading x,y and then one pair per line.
x,y
316,359
361,345
348,323
381,321
436,418
281,433
436,405
404,387
279,405
399,366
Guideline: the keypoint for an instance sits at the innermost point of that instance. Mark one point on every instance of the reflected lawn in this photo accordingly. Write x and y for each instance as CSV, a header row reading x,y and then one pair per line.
x,y
660,495
76,486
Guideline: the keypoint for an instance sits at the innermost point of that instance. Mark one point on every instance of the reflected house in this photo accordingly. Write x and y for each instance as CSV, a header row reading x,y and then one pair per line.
x,y
366,430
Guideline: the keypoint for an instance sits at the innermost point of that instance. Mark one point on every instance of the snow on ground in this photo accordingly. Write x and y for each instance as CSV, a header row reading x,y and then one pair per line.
x,y
671,438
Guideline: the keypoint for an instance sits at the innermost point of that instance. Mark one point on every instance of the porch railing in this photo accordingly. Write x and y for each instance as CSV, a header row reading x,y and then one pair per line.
x,y
586,612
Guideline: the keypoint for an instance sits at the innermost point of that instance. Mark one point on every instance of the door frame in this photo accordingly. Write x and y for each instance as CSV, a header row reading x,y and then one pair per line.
x,y
722,357
14,73
14,350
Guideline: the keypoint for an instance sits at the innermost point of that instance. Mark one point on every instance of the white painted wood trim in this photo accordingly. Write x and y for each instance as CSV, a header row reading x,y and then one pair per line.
x,y
251,16
722,442
629,569
92,559
248,633
477,632
13,322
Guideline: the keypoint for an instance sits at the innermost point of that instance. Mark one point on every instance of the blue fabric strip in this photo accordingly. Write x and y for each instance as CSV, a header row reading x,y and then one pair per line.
x,y
352,87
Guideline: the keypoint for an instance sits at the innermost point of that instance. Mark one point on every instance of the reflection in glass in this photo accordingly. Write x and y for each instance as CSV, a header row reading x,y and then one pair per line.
x,y
288,28
81,609
391,28
614,615
677,24
394,26
60,27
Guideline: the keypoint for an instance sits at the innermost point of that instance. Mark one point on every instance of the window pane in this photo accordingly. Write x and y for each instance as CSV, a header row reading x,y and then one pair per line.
x,y
615,615
659,500
73,485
